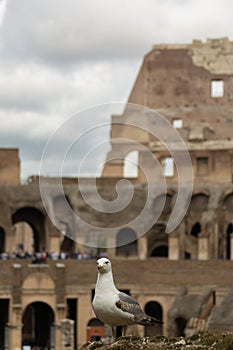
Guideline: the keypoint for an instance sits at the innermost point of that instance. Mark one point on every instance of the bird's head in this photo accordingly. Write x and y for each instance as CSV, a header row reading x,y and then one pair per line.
x,y
104,265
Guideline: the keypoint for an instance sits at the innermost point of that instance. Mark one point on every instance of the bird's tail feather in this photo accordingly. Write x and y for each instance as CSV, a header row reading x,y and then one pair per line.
x,y
150,321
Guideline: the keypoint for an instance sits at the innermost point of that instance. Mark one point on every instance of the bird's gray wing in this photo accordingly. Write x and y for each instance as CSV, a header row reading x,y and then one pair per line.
x,y
127,304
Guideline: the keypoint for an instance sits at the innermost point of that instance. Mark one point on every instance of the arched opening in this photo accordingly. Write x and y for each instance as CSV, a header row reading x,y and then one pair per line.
x,y
24,241
228,241
160,252
163,204
38,320
130,168
64,221
95,330
180,326
157,241
126,243
199,203
196,229
2,240
35,219
154,309
228,203
4,307
168,166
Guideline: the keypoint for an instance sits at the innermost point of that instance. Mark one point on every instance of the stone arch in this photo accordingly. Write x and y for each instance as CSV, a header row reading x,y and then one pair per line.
x,y
64,222
228,203
130,166
36,220
95,330
38,320
38,281
154,309
157,241
2,240
199,202
126,242
196,229
180,323
229,232
164,202
160,251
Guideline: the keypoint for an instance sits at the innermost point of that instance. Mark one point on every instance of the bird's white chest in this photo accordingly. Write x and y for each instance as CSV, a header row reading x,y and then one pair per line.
x,y
106,310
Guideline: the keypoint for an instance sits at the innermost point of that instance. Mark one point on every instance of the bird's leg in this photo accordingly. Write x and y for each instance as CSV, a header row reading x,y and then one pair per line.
x,y
124,329
113,334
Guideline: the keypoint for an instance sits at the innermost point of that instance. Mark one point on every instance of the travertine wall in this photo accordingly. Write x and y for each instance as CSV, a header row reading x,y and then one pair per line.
x,y
9,166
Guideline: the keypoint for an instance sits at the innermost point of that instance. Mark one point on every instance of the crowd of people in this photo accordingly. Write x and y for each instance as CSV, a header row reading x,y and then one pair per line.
x,y
42,257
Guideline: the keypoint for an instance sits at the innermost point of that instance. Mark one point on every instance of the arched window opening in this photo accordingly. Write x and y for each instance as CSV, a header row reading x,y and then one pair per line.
x,y
199,203
163,203
168,166
38,320
228,241
130,168
126,244
4,307
35,219
160,252
24,237
95,330
187,256
2,240
196,229
228,203
180,326
64,221
154,309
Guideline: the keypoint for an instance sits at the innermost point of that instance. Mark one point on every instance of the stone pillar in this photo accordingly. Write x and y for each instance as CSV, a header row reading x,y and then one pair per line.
x,y
203,248
142,248
15,328
173,247
9,240
85,313
67,334
231,246
54,245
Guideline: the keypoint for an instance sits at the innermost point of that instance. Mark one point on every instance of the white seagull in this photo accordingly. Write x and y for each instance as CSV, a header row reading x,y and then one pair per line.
x,y
114,307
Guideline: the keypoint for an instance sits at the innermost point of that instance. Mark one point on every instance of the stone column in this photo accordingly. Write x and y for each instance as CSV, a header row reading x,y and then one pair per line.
x,y
231,247
15,328
85,313
173,247
203,248
142,248
67,334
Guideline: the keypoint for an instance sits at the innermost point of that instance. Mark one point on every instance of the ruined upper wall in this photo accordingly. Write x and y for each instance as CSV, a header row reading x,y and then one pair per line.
x,y
215,55
9,166
181,75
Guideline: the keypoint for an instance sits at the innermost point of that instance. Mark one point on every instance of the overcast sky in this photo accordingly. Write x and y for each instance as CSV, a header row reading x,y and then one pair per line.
x,y
59,57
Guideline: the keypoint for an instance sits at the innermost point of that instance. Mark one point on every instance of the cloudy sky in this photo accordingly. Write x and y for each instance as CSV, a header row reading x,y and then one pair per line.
x,y
60,57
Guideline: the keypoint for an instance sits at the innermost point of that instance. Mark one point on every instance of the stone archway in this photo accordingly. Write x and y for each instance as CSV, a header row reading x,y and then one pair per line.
x,y
126,243
2,240
38,321
35,219
154,309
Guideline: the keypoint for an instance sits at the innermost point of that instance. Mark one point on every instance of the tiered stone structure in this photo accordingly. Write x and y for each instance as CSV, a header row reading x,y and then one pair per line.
x,y
183,278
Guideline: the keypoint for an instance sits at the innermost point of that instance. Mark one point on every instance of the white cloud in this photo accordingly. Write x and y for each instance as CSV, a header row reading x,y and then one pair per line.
x,y
57,58
3,6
